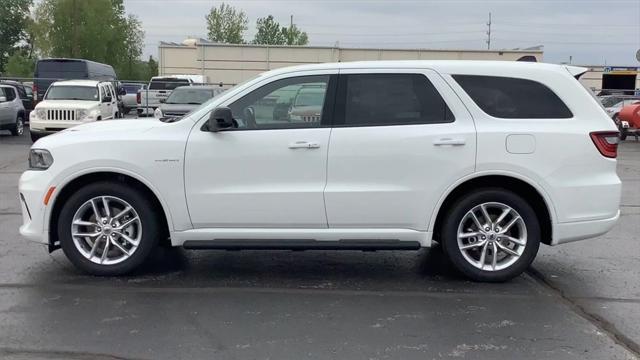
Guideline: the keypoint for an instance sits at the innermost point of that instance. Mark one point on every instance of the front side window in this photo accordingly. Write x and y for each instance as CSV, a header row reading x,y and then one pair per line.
x,y
513,98
288,103
88,93
390,99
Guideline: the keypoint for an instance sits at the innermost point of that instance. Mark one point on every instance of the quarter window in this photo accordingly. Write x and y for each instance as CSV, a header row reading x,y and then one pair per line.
x,y
390,99
513,98
288,103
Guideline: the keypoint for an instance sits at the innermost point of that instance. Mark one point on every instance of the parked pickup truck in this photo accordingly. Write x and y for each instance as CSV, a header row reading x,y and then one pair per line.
x,y
159,89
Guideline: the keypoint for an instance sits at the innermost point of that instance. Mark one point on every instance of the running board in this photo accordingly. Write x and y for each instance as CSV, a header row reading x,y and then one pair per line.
x,y
299,245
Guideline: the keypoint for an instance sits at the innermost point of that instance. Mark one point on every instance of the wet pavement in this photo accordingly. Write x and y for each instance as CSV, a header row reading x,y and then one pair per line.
x,y
579,301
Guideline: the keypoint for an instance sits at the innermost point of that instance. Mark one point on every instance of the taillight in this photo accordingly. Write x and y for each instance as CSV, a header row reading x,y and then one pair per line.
x,y
138,97
606,142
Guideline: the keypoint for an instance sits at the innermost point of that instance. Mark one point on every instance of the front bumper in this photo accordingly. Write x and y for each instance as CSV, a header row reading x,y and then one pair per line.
x,y
32,188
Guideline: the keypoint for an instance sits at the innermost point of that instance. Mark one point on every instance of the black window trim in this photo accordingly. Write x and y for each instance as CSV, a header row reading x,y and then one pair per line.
x,y
328,108
514,118
341,99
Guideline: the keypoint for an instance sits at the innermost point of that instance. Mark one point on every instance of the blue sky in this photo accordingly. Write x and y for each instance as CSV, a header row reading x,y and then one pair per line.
x,y
591,32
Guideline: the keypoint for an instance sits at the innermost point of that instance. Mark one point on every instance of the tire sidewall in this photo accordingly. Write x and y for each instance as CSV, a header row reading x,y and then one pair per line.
x,y
466,203
149,220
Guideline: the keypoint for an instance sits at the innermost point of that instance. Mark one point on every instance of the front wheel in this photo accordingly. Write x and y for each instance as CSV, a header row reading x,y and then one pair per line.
x,y
491,235
107,228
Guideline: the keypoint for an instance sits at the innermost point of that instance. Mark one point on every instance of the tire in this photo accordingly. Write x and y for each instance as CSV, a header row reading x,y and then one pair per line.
x,y
144,232
496,201
34,137
18,128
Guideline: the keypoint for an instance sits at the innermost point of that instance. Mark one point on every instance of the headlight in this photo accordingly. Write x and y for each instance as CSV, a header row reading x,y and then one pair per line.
x,y
82,114
41,113
40,159
157,113
86,114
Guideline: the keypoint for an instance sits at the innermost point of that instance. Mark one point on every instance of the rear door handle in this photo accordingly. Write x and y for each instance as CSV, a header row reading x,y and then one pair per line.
x,y
304,145
449,141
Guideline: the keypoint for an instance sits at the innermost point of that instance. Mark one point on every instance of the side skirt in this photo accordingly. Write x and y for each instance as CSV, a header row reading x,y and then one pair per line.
x,y
276,244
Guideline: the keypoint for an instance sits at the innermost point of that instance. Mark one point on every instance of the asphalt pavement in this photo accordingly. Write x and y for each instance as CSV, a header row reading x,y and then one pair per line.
x,y
578,301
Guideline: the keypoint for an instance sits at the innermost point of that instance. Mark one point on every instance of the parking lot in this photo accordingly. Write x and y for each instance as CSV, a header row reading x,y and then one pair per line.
x,y
578,301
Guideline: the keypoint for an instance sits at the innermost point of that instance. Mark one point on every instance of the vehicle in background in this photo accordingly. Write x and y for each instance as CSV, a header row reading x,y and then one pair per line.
x,y
185,99
628,121
49,70
614,103
307,104
72,102
129,99
12,112
404,154
25,94
160,87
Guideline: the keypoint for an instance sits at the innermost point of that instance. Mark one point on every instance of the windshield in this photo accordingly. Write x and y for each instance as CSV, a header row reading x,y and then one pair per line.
x,y
131,88
59,92
310,99
167,83
189,96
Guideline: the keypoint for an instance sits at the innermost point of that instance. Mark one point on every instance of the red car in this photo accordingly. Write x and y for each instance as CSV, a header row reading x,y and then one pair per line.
x,y
628,121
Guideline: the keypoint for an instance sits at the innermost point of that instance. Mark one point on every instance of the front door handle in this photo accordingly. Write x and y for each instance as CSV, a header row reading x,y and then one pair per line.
x,y
304,145
449,141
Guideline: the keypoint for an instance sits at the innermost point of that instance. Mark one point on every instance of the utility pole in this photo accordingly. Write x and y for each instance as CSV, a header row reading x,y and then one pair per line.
x,y
489,33
291,23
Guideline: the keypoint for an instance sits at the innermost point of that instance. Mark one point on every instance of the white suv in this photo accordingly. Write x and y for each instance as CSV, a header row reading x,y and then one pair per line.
x,y
70,103
489,159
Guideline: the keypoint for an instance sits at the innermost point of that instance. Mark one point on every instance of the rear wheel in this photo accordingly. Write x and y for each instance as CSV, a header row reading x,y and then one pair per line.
x,y
18,127
491,235
107,228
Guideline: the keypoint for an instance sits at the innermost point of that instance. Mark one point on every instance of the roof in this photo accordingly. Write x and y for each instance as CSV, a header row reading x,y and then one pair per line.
x,y
442,66
78,82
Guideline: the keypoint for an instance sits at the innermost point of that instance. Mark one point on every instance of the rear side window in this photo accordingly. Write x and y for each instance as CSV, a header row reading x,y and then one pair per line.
x,y
9,93
389,99
512,98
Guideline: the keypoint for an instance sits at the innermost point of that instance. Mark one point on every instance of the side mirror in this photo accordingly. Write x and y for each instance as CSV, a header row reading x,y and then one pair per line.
x,y
122,92
220,118
162,101
3,99
106,99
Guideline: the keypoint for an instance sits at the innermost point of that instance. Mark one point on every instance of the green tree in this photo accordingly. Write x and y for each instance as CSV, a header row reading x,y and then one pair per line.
x,y
269,32
20,65
96,30
294,36
225,24
14,15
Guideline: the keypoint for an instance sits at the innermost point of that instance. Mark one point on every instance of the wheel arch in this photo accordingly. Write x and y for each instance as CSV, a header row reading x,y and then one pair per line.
x,y
533,194
79,180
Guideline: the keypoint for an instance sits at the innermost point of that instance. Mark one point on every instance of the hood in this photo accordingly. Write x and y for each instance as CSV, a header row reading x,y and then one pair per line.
x,y
309,110
99,130
67,104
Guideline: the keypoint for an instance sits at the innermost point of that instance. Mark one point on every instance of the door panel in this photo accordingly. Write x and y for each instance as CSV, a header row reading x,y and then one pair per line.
x,y
270,172
392,176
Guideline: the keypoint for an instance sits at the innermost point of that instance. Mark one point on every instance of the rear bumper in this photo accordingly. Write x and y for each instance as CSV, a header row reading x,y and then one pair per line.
x,y
580,230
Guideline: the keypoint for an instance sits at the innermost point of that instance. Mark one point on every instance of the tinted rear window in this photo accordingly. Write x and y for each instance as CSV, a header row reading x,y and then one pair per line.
x,y
513,98
131,89
391,99
167,83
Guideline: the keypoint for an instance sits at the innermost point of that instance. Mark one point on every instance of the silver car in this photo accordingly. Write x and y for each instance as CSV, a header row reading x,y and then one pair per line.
x,y
130,98
185,99
12,113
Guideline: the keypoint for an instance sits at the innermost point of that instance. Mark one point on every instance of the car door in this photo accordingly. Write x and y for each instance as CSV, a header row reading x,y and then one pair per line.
x,y
5,112
105,106
400,139
270,171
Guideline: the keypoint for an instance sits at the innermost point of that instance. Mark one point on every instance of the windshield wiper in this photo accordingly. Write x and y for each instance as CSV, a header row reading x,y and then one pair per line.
x,y
194,103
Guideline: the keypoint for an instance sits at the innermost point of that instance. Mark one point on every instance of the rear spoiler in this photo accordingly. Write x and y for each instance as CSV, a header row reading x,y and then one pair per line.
x,y
576,71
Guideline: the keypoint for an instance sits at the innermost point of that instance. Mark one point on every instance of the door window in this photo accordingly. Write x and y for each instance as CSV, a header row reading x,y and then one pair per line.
x,y
297,102
389,99
2,92
104,92
10,93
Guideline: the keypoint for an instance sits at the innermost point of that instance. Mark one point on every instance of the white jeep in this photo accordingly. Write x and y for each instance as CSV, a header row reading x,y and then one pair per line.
x,y
70,103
